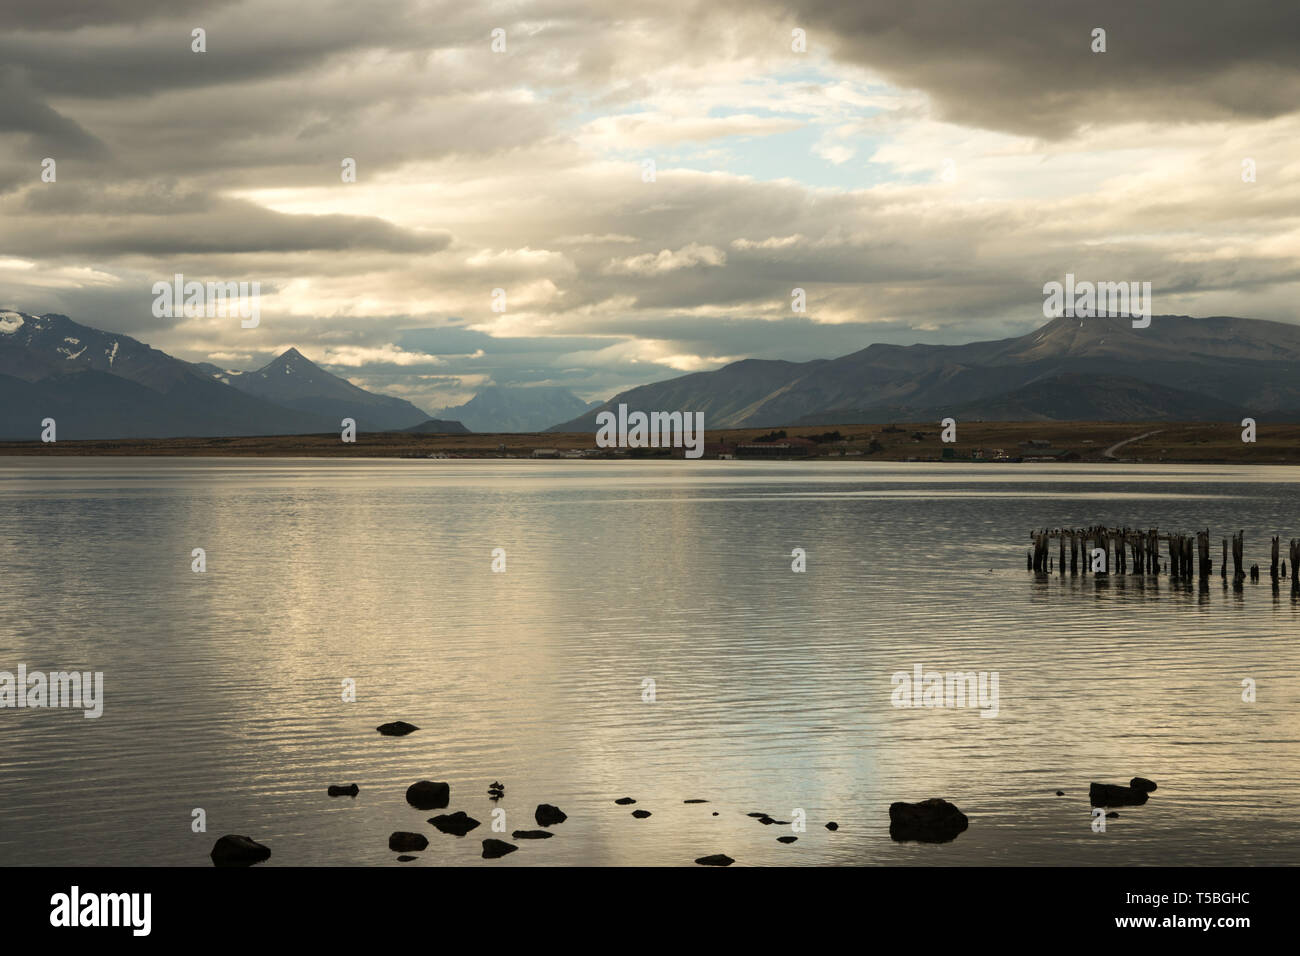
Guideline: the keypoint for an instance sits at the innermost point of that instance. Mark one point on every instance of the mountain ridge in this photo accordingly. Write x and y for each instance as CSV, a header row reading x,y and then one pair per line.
x,y
1229,362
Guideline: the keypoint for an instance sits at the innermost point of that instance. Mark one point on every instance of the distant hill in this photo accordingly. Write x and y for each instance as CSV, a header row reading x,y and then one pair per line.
x,y
438,426
294,381
1179,368
517,408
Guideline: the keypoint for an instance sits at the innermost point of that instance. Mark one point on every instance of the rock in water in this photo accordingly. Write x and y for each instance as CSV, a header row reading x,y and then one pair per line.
x,y
532,835
1113,815
547,815
930,821
404,841
351,790
235,850
640,814
495,848
832,825
1060,793
458,823
398,728
718,859
695,801
1143,784
1112,795
427,795
624,801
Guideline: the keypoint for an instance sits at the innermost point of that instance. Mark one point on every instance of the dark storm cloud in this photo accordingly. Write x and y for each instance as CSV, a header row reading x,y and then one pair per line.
x,y
74,14
199,224
1026,66
22,111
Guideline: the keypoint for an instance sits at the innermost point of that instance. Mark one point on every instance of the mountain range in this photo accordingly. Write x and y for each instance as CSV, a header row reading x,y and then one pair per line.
x,y
1100,369
517,408
105,385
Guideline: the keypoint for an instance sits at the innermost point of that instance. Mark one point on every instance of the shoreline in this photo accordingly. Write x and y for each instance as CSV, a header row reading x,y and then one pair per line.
x,y
991,443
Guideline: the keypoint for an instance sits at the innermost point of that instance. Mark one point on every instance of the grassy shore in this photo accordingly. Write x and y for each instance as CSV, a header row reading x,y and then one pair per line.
x,y
1082,441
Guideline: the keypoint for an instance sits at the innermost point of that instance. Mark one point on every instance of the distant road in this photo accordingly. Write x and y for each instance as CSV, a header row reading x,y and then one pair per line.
x,y
1110,452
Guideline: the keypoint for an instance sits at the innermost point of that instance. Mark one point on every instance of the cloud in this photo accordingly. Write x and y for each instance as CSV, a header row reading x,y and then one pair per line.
x,y
825,171
668,260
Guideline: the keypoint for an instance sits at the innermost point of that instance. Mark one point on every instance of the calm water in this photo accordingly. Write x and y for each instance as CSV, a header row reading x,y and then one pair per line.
x,y
773,689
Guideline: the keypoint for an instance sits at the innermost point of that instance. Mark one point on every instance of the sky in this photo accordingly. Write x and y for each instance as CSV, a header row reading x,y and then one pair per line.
x,y
920,170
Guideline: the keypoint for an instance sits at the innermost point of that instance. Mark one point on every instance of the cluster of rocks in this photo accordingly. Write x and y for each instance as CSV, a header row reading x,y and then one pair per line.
x,y
930,821
433,795
721,859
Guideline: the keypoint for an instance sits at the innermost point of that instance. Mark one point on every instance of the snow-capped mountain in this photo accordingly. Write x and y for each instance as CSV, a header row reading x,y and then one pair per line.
x,y
99,384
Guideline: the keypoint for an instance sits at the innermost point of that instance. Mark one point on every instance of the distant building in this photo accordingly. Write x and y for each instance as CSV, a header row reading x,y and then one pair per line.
x,y
785,448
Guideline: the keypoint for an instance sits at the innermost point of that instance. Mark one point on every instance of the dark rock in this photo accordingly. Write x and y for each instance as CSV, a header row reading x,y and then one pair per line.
x,y
832,825
1111,795
786,839
235,850
427,795
625,801
1143,784
695,801
532,835
497,848
640,814
755,814
351,790
404,841
715,813
765,820
398,728
930,821
458,823
547,815
1060,793
1113,815
405,858
718,859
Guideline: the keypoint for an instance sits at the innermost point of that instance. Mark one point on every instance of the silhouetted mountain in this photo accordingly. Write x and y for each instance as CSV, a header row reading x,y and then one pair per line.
x,y
294,381
1085,368
517,408
102,385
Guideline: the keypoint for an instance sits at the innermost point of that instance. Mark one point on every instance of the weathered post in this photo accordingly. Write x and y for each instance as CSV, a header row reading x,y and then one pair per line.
x,y
1203,552
1273,566
1060,560
1223,568
1074,553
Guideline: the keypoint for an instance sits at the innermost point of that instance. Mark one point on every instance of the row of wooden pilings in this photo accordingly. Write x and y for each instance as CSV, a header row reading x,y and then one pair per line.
x,y
1122,549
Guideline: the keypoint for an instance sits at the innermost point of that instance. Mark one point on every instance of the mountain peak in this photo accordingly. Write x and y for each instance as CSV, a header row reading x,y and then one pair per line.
x,y
288,362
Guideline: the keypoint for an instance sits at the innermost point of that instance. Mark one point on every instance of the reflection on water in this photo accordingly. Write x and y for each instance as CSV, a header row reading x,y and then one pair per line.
x,y
773,689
